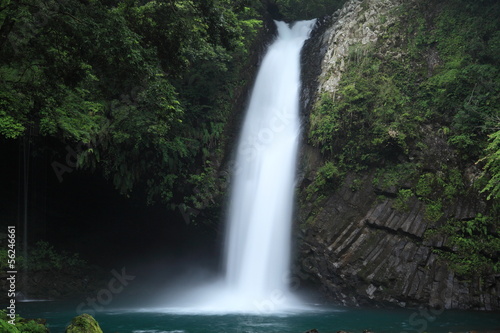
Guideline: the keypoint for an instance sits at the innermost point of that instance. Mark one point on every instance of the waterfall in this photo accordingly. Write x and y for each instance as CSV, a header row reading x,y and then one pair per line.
x,y
258,237
257,253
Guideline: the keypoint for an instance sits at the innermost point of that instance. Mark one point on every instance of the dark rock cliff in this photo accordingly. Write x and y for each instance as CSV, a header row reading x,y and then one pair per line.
x,y
363,250
355,244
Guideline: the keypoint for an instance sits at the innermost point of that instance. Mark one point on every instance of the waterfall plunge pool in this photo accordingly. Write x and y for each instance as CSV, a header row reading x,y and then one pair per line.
x,y
326,319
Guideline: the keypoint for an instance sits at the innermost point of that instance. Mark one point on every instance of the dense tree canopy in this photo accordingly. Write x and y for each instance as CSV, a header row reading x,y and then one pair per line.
x,y
142,88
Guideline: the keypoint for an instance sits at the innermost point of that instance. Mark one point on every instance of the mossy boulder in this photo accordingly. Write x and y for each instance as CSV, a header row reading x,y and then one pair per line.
x,y
21,325
84,323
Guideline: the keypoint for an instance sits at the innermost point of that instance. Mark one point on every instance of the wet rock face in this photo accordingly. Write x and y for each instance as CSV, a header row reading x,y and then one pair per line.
x,y
313,52
363,251
355,243
358,23
326,54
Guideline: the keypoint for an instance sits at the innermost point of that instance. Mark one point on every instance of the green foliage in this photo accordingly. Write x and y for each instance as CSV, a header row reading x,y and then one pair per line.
x,y
445,184
439,188
76,117
356,184
402,200
328,177
372,118
475,244
426,184
11,113
43,256
147,87
208,185
21,325
8,328
9,127
462,87
394,175
434,210
492,167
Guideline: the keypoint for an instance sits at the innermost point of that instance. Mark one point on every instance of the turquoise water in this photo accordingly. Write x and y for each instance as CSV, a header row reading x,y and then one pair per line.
x,y
324,319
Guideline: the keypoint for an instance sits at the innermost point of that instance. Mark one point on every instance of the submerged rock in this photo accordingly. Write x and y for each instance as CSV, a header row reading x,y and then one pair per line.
x,y
83,324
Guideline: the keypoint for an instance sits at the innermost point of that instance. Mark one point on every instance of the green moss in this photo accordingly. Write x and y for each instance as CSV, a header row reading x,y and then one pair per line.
x,y
475,243
8,328
434,211
426,185
373,117
403,199
396,175
21,325
356,184
327,179
439,189
83,324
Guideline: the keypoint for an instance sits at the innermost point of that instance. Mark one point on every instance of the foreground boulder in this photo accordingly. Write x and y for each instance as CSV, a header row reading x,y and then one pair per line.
x,y
83,324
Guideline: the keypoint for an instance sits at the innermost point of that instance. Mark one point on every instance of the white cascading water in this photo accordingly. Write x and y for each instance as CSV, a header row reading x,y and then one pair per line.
x,y
259,226
258,239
